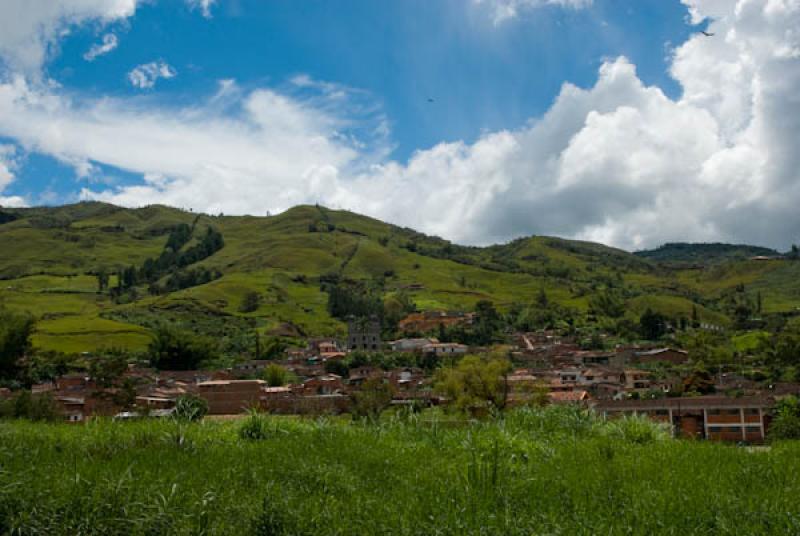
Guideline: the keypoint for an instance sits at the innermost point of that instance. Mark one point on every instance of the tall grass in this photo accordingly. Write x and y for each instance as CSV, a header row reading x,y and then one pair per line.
x,y
552,471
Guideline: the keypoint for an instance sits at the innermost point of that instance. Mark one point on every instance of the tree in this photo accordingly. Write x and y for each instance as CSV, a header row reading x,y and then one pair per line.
x,y
24,405
250,302
337,366
171,349
652,325
15,341
107,369
374,396
487,322
102,280
699,381
781,350
346,299
710,348
542,299
539,394
476,384
396,307
272,347
742,313
596,342
786,423
608,303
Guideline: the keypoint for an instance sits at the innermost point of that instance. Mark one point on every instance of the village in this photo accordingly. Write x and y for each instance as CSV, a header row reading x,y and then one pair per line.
x,y
326,376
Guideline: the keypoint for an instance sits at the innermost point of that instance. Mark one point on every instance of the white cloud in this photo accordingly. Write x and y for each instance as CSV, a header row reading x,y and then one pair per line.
x,y
8,164
619,162
503,10
109,43
203,5
13,201
264,151
30,29
145,76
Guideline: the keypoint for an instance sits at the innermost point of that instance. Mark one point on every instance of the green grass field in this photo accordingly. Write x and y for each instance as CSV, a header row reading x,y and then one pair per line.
x,y
55,251
537,472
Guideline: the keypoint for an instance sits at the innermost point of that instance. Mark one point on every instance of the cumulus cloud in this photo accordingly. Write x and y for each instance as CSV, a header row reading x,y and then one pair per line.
x,y
8,164
503,10
109,43
619,162
238,152
30,29
203,5
145,76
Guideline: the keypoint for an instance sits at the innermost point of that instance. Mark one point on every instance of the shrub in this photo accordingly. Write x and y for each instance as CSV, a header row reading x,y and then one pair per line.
x,y
273,521
250,302
190,408
373,397
33,407
638,429
275,375
255,427
554,420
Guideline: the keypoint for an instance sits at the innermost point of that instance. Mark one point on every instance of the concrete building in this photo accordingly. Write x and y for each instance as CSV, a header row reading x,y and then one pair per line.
x,y
411,345
364,334
230,397
445,348
708,417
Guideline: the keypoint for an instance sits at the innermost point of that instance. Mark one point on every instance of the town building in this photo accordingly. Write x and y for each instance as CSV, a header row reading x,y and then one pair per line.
x,y
364,334
229,397
445,348
663,355
411,345
743,419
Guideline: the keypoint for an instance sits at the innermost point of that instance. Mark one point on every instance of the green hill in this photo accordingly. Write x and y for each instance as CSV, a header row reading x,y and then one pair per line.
x,y
52,255
704,254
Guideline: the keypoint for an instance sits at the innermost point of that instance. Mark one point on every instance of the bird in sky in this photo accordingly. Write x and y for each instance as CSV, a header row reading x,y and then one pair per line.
x,y
706,33
430,99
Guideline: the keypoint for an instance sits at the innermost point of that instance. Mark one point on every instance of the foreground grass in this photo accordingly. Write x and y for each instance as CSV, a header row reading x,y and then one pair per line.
x,y
557,472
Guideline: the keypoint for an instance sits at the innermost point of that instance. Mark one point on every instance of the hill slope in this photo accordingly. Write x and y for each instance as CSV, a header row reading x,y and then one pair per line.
x,y
704,254
56,252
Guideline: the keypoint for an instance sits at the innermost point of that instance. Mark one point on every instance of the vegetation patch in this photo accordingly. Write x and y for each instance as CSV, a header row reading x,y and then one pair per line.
x,y
552,471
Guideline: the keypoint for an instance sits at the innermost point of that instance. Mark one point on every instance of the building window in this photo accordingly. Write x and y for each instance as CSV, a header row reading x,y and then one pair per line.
x,y
751,411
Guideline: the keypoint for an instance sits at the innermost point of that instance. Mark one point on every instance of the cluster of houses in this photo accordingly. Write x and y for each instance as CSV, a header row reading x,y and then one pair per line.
x,y
549,368
623,382
237,389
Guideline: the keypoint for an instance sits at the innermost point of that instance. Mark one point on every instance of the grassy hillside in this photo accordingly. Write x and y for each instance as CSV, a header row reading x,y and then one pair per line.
x,y
55,252
554,471
704,254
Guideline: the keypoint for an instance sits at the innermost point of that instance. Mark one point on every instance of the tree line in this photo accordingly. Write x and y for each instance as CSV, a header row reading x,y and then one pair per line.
x,y
171,261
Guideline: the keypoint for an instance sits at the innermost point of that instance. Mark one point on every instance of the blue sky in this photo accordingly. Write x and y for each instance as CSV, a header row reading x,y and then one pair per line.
x,y
249,106
481,77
